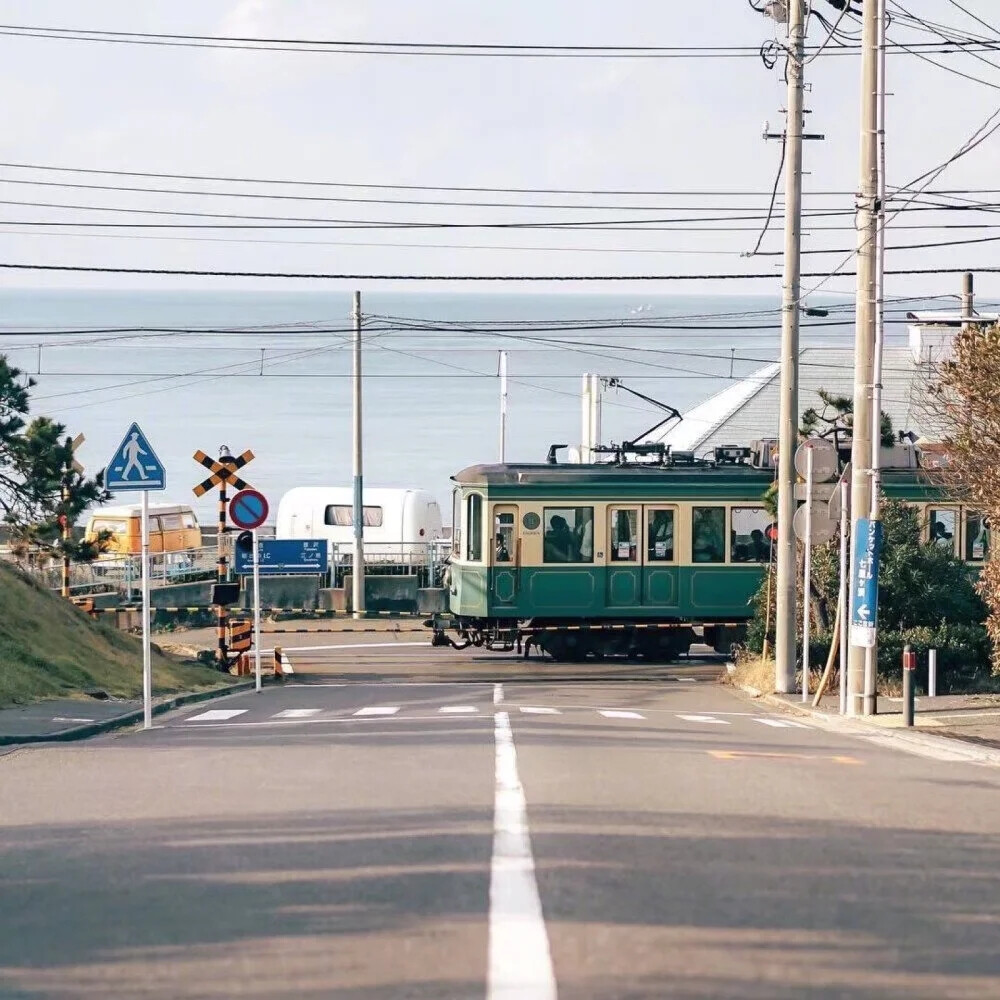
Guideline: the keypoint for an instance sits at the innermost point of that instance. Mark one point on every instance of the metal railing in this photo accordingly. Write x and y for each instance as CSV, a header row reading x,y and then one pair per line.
x,y
424,560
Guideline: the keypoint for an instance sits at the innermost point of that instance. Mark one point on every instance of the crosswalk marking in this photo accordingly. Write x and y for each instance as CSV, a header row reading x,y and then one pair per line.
x,y
217,715
458,710
378,710
539,711
782,723
707,719
297,713
614,713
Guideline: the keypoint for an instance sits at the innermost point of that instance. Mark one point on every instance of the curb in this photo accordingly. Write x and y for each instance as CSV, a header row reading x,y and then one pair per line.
x,y
127,719
950,748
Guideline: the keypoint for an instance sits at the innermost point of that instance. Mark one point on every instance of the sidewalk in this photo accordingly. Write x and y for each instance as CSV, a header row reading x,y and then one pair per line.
x,y
951,727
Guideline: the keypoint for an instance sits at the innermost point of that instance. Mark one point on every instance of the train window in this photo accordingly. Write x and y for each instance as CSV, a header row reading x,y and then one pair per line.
x,y
456,522
708,534
503,537
943,525
977,537
474,528
569,535
659,536
624,534
749,535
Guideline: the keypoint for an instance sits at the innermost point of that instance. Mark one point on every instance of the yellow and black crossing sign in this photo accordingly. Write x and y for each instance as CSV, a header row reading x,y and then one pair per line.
x,y
222,474
240,635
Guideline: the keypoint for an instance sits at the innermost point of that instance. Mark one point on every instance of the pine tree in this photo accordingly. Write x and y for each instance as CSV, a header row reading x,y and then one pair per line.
x,y
40,490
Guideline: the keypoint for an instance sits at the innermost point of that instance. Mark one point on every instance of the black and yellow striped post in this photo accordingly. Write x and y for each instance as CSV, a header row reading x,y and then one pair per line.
x,y
223,471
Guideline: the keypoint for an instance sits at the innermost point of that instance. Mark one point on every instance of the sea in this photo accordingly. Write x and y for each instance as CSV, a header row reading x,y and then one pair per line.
x,y
271,372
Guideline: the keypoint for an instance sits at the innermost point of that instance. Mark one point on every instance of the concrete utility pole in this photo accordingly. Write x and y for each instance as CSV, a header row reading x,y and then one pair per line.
x,y
503,406
788,418
968,300
861,682
358,560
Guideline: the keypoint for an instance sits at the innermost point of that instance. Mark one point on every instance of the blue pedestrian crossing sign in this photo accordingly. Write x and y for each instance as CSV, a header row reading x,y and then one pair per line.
x,y
134,465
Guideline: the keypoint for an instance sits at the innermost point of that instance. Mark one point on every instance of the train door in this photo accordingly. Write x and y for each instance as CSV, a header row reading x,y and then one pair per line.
x,y
505,555
660,576
624,561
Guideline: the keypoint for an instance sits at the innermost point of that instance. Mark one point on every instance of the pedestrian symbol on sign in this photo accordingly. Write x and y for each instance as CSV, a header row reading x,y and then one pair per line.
x,y
135,465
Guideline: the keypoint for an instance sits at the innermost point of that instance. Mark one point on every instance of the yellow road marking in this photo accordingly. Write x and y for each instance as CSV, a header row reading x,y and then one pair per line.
x,y
741,754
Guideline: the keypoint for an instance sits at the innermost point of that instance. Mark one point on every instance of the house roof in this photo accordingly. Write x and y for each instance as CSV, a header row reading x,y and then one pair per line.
x,y
748,410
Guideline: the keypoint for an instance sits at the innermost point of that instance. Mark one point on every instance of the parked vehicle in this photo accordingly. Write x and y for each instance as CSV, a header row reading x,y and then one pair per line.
x,y
173,528
399,524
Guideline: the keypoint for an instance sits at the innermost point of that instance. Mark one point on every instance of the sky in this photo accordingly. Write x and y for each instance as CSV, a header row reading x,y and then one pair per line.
x,y
683,125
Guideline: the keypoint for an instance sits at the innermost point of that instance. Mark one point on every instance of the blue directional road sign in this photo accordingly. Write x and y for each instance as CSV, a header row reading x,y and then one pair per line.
x,y
864,582
285,557
134,465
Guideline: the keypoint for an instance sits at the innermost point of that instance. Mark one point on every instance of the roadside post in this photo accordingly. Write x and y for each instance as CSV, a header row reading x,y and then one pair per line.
x,y
134,466
909,694
249,510
932,673
815,461
223,471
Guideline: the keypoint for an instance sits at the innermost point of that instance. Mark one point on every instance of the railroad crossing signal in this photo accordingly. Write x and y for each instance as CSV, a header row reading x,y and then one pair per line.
x,y
75,444
222,475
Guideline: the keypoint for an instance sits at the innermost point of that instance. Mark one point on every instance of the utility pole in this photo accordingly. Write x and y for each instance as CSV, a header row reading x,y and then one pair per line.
x,y
358,560
861,681
503,407
788,418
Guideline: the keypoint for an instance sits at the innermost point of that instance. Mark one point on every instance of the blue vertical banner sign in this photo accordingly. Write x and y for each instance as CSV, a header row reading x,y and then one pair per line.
x,y
864,581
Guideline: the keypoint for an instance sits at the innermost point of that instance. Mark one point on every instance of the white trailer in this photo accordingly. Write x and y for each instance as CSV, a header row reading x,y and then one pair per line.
x,y
399,523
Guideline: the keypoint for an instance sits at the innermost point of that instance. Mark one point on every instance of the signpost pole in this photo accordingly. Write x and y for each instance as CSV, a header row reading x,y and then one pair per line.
x,y
358,562
845,503
256,609
147,664
807,577
503,407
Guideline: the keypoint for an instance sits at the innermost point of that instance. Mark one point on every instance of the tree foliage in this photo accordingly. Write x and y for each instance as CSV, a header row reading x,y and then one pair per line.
x,y
963,405
835,420
40,491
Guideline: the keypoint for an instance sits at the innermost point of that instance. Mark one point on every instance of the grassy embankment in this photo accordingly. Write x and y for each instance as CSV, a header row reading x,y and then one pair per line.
x,y
50,649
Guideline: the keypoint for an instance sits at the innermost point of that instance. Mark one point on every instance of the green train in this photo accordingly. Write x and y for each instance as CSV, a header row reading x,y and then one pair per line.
x,y
630,558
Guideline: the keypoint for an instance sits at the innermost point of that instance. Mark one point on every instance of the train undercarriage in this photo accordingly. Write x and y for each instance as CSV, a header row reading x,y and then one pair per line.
x,y
575,642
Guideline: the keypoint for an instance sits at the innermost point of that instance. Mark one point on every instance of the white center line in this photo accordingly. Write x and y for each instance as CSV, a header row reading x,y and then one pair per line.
x,y
378,710
497,694
614,713
539,711
707,719
458,710
217,715
297,713
520,964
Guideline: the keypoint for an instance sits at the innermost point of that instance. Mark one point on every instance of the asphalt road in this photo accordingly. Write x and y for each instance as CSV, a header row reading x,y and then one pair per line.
x,y
525,839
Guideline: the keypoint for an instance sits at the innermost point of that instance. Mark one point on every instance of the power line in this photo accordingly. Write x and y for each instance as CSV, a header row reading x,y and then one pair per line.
x,y
192,272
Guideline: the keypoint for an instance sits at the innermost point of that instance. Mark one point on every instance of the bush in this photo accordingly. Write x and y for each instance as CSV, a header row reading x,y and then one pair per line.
x,y
963,655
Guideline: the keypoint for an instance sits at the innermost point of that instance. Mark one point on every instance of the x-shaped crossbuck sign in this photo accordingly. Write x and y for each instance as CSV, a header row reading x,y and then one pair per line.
x,y
222,474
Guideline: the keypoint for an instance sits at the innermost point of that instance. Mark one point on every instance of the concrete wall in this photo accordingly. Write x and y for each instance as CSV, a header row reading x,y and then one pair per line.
x,y
283,592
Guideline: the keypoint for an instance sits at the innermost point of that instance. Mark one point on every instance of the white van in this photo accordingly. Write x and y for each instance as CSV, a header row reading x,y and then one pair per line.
x,y
398,522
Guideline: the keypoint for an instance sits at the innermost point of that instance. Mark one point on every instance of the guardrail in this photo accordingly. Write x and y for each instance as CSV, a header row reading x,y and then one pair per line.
x,y
425,560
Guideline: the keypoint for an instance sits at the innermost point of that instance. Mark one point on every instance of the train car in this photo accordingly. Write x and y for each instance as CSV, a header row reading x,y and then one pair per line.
x,y
614,559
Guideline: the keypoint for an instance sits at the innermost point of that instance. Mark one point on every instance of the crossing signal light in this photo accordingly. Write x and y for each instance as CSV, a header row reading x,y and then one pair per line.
x,y
244,541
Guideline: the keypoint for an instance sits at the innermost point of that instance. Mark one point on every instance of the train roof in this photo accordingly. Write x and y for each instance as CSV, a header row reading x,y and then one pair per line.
x,y
543,474
699,474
